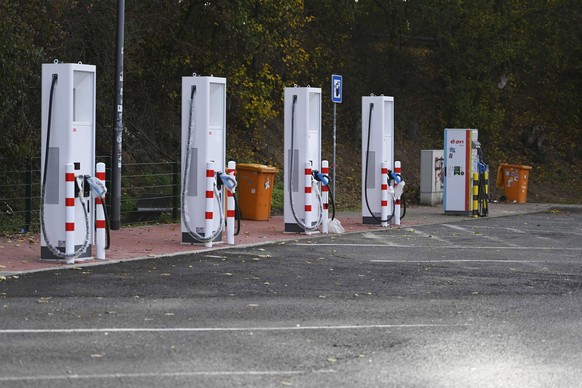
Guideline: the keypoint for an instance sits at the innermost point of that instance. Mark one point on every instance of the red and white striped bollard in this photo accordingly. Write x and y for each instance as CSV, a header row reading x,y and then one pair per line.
x,y
69,212
308,197
384,195
100,222
230,206
397,171
325,198
209,204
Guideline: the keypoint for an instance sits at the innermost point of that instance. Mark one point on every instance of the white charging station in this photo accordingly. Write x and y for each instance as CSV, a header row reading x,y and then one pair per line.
x,y
203,142
377,147
432,177
67,138
461,161
302,146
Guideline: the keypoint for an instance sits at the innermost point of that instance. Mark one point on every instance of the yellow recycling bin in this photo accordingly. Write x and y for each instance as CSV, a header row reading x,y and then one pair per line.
x,y
255,189
514,180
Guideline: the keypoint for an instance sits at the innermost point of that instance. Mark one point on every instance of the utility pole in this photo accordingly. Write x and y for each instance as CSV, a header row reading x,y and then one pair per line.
x,y
118,122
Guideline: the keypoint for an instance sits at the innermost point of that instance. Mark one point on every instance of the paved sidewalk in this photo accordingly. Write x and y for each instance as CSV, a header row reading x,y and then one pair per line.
x,y
20,254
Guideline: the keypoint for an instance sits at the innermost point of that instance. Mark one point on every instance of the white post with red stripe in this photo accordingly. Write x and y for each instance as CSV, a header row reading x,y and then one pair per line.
x,y
209,204
308,196
397,171
230,206
100,222
70,212
384,195
325,198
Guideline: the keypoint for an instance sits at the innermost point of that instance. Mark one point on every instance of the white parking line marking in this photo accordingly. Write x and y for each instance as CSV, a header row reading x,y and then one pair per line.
x,y
423,234
514,230
215,329
469,231
169,374
545,248
376,237
354,245
463,261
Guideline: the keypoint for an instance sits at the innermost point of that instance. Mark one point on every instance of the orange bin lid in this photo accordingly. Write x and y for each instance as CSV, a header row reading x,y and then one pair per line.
x,y
516,166
256,167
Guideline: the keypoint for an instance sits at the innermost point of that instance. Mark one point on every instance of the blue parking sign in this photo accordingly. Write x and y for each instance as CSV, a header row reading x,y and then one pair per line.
x,y
336,88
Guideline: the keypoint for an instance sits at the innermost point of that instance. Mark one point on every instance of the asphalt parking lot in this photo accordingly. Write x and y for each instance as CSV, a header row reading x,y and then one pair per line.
x,y
490,302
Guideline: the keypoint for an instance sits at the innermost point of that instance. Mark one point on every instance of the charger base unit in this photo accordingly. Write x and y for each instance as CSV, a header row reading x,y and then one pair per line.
x,y
302,127
431,177
203,113
71,140
378,121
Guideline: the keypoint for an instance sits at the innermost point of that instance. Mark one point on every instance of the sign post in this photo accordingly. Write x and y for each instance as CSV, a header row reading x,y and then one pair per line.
x,y
336,98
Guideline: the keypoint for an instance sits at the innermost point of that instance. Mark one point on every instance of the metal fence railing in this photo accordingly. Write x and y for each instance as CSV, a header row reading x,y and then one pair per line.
x,y
19,198
150,193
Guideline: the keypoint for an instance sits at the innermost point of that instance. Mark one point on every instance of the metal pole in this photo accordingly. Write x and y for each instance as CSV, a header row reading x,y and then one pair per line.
x,y
334,150
118,127
28,196
175,191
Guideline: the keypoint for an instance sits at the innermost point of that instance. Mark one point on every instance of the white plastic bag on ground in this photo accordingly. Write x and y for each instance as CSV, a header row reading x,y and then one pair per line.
x,y
335,226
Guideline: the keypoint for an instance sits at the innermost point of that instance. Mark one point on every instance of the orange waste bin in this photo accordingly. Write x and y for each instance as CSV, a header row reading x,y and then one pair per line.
x,y
255,189
513,178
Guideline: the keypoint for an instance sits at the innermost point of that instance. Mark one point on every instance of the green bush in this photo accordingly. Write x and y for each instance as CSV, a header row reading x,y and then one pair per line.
x,y
277,201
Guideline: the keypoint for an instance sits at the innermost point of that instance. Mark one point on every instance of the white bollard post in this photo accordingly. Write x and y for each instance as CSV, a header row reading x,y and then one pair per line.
x,y
384,195
209,208
308,196
230,210
397,171
325,198
100,222
69,212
